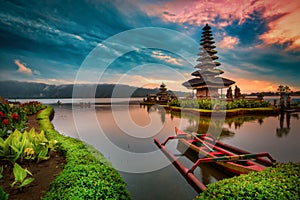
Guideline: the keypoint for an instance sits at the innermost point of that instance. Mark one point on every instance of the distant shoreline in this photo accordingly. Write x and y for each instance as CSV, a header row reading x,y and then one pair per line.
x,y
81,101
107,101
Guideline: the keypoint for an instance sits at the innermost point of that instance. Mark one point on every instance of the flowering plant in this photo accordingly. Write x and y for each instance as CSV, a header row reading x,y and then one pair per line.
x,y
11,118
14,116
1,114
6,122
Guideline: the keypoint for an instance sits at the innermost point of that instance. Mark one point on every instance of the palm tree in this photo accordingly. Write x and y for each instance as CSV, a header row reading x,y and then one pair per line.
x,y
287,89
281,89
284,89
284,92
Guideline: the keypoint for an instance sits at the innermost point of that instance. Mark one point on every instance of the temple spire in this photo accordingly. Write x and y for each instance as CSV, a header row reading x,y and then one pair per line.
x,y
208,81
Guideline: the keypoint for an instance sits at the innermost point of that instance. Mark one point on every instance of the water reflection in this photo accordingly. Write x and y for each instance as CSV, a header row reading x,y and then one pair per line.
x,y
203,124
208,172
284,128
207,124
238,121
157,108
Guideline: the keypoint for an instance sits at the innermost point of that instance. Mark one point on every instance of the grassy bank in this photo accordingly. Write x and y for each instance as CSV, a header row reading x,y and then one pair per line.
x,y
281,181
87,174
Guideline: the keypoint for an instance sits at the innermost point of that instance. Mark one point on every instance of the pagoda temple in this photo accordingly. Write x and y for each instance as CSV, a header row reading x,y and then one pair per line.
x,y
207,81
162,97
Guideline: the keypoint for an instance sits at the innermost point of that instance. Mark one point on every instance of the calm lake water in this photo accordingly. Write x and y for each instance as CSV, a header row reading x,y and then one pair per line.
x,y
125,133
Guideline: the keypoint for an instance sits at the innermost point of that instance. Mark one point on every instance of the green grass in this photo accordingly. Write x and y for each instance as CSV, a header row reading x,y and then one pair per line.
x,y
282,181
87,173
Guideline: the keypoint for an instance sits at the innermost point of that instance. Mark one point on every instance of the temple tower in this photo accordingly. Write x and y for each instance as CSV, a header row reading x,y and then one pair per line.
x,y
208,81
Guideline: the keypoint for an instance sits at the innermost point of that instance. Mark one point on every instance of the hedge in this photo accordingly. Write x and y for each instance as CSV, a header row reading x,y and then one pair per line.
x,y
281,181
208,104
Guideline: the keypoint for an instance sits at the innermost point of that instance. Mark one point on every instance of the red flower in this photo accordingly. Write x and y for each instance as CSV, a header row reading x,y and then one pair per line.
x,y
5,121
1,114
15,116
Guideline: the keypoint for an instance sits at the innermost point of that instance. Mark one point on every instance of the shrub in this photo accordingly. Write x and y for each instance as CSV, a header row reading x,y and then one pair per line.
x,y
32,107
281,181
206,104
243,103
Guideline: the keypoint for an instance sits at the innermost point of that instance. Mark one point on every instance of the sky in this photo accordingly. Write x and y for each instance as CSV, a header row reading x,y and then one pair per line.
x,y
143,43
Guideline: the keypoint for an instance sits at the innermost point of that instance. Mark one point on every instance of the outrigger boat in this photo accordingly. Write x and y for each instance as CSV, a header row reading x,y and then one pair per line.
x,y
230,158
238,163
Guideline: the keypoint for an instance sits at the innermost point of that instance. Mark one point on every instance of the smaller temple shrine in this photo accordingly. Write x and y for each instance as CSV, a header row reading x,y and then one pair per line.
x,y
162,97
207,82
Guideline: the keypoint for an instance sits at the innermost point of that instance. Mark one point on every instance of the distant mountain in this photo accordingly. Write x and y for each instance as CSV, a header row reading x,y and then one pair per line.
x,y
21,90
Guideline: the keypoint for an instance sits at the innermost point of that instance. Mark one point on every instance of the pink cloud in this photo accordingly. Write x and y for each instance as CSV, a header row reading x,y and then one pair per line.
x,y
282,17
22,68
228,42
286,28
201,12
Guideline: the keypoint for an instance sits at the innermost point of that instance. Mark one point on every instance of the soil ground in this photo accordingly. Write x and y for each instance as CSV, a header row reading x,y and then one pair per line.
x,y
43,173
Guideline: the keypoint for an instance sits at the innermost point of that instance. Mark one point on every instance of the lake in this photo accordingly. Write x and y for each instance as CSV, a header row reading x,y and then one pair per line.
x,y
124,134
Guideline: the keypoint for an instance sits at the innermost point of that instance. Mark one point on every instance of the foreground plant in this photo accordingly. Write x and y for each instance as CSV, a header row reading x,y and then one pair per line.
x,y
20,176
26,146
3,195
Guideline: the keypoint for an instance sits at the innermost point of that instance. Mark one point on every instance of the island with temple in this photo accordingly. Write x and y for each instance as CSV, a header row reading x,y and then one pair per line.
x,y
162,97
213,93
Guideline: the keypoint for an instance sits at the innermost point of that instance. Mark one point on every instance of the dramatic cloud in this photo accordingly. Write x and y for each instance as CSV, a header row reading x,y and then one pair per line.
x,y
281,16
284,29
258,41
22,68
228,42
202,12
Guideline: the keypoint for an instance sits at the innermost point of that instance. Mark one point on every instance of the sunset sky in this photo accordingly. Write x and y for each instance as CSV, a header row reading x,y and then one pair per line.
x,y
258,42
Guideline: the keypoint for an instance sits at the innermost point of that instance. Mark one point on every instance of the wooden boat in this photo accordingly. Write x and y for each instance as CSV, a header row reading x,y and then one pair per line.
x,y
231,158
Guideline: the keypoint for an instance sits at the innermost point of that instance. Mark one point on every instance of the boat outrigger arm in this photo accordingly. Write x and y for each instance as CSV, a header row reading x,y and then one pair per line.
x,y
190,177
